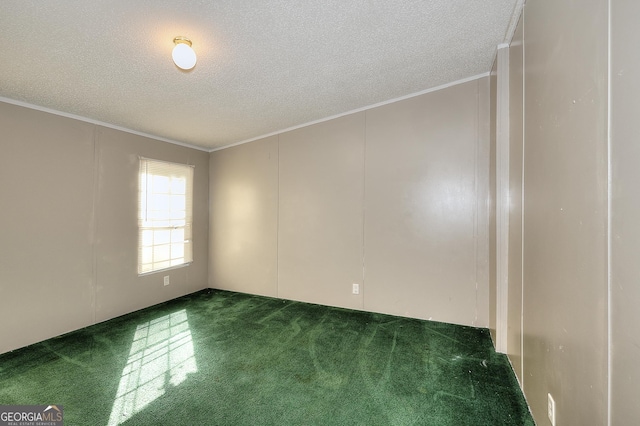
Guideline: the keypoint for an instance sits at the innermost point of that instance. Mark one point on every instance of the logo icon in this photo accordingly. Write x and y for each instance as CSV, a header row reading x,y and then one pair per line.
x,y
31,415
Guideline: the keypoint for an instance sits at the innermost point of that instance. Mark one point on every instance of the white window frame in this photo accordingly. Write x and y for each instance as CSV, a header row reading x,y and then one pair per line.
x,y
165,215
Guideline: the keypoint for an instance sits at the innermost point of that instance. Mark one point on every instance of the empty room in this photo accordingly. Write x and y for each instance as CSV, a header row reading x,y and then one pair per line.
x,y
319,213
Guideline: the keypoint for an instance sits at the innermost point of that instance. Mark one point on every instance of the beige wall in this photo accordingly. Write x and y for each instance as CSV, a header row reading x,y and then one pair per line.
x,y
565,209
625,218
387,198
119,289
244,229
46,254
421,207
68,254
516,146
320,218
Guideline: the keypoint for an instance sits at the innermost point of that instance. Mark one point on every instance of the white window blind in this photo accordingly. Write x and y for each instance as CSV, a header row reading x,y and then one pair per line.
x,y
164,215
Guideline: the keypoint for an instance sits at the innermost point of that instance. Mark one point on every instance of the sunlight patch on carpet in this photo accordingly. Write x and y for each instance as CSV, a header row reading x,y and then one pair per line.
x,y
161,356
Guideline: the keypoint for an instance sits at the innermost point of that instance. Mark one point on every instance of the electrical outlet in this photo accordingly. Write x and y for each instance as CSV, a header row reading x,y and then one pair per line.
x,y
166,280
355,289
551,409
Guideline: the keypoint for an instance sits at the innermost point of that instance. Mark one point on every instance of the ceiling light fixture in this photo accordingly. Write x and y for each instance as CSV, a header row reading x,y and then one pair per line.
x,y
183,55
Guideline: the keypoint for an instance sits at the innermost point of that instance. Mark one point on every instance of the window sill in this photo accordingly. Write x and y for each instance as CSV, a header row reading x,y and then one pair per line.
x,y
183,265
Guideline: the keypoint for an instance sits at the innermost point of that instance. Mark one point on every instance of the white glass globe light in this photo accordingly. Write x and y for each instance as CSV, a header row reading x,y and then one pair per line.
x,y
183,55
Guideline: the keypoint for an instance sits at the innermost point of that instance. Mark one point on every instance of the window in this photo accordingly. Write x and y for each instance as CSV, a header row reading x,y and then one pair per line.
x,y
164,215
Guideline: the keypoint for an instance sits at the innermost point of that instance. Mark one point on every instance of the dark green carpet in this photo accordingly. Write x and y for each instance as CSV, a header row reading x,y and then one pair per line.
x,y
222,358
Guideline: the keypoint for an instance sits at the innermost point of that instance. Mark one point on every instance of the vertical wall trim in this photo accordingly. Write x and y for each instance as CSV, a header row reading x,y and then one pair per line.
x,y
278,219
502,198
515,17
609,224
475,212
522,189
94,219
477,191
363,288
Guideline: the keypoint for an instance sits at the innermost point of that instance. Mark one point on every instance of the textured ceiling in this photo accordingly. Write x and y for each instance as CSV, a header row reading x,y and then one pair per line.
x,y
263,66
